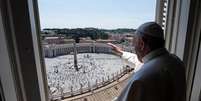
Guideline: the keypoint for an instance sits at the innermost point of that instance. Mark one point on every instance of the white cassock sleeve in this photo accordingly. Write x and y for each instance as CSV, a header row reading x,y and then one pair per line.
x,y
132,59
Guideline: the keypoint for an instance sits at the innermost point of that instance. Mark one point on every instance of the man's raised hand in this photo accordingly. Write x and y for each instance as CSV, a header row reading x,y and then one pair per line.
x,y
116,48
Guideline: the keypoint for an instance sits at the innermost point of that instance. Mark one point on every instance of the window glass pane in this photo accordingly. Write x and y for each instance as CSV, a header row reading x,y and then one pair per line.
x,y
77,57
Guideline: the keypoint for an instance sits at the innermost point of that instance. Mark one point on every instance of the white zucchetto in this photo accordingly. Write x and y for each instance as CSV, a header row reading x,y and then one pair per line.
x,y
151,29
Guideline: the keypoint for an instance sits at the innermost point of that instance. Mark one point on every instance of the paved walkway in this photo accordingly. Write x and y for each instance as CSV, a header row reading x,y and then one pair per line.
x,y
107,93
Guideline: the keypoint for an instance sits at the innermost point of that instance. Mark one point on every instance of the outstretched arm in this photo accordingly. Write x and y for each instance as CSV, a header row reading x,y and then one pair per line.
x,y
130,57
115,48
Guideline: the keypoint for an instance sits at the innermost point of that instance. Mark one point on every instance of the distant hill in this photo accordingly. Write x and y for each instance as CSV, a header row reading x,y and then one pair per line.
x,y
120,30
94,33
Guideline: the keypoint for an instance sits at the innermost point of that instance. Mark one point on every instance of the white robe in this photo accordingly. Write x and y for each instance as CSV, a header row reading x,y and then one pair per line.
x,y
132,59
161,78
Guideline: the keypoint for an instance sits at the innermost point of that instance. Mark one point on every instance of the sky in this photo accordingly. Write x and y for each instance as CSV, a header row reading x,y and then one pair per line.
x,y
104,14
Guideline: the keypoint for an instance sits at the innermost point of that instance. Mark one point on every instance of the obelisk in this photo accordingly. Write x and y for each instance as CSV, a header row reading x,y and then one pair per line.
x,y
75,56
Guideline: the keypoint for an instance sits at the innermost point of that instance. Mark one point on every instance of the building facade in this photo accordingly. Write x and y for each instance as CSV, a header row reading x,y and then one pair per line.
x,y
52,50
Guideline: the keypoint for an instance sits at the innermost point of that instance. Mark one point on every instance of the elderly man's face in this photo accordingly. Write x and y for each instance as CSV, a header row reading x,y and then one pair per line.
x,y
139,46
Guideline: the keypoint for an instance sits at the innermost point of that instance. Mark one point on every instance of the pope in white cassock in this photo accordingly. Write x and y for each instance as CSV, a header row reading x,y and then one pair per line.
x,y
161,76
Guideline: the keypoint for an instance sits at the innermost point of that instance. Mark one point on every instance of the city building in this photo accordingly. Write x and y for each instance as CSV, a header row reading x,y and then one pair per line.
x,y
53,50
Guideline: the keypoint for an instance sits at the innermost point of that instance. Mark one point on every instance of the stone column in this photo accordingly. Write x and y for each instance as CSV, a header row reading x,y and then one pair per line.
x,y
75,57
